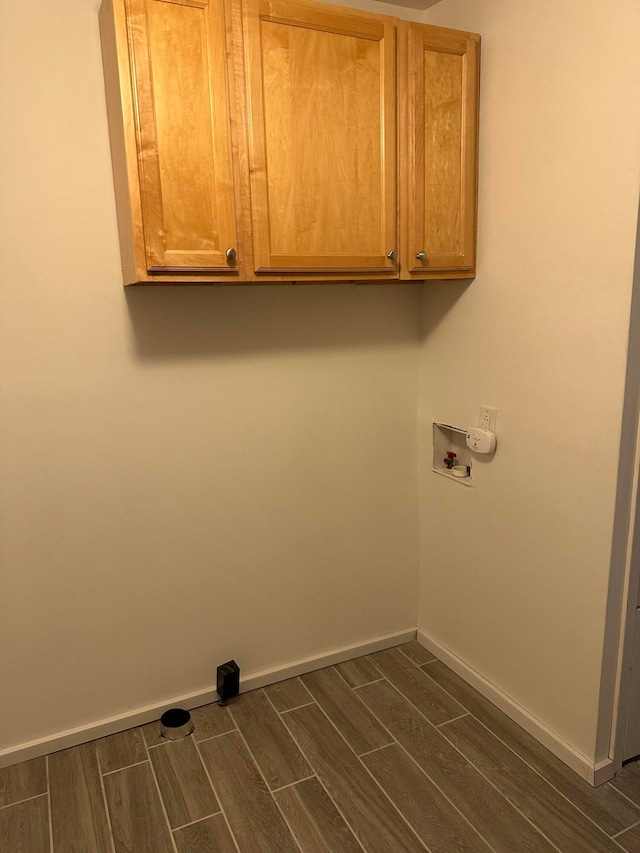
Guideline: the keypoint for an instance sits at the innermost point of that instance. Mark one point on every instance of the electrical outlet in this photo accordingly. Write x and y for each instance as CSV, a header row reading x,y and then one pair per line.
x,y
488,418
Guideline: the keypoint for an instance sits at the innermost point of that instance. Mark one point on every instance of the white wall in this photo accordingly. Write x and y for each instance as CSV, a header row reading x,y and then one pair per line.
x,y
515,572
188,474
192,474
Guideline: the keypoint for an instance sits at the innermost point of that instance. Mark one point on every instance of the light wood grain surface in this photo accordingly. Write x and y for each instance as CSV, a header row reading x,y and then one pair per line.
x,y
121,750
211,721
630,840
429,698
137,818
289,694
78,813
526,790
270,126
171,92
253,816
279,759
24,827
152,734
439,151
416,653
372,818
610,811
23,781
628,782
358,671
473,784
497,821
314,820
183,783
206,836
441,827
182,83
322,136
353,720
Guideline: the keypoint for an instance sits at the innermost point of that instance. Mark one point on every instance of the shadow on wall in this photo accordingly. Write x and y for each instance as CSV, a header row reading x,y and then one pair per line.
x,y
627,465
439,299
189,321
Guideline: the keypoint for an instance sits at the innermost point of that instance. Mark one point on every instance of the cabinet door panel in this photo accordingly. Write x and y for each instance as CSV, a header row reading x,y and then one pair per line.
x,y
322,138
441,149
183,133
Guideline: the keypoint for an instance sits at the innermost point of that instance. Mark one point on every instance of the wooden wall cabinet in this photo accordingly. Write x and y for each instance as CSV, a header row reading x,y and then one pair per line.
x,y
170,99
257,140
439,151
322,139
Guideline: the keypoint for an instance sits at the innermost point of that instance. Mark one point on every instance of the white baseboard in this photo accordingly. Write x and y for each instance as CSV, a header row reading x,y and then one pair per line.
x,y
140,716
594,774
603,772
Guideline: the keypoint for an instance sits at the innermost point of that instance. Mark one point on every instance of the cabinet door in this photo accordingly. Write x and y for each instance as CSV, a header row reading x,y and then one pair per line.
x,y
439,151
181,106
322,138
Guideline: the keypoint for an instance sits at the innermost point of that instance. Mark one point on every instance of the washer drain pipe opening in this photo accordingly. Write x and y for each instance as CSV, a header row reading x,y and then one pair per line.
x,y
175,724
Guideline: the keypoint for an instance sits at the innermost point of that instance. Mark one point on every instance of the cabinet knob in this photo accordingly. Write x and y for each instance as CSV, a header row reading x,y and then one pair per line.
x,y
421,256
231,255
392,255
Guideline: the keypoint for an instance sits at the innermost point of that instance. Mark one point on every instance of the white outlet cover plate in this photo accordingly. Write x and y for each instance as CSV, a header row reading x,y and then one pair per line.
x,y
488,416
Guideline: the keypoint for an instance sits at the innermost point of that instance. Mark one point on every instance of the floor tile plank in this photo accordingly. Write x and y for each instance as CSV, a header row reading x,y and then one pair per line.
x,y
502,826
428,697
372,818
473,783
359,671
627,781
250,809
24,828
275,753
78,815
120,750
441,827
151,733
207,836
184,787
288,694
23,781
603,804
353,720
630,840
211,721
416,653
570,830
314,820
137,819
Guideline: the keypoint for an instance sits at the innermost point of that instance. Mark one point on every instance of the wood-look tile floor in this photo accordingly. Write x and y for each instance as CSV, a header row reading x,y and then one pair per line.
x,y
384,754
